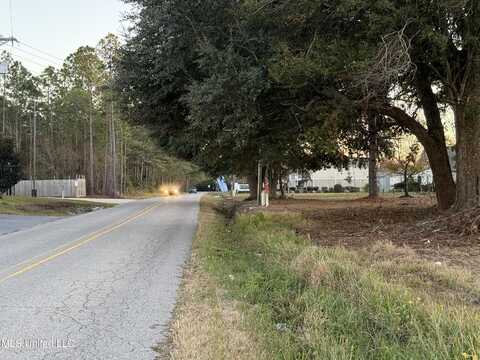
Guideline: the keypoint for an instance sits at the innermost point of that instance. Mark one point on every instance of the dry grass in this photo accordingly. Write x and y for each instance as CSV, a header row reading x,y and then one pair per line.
x,y
207,325
452,239
328,279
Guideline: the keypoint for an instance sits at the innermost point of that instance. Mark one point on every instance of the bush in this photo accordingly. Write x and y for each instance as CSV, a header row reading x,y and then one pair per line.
x,y
338,188
412,186
9,165
325,189
427,188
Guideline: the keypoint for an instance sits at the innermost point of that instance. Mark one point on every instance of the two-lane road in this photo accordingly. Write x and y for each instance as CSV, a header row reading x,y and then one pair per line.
x,y
95,286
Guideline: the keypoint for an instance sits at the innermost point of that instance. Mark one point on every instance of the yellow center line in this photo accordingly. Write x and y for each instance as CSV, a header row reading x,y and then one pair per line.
x,y
76,245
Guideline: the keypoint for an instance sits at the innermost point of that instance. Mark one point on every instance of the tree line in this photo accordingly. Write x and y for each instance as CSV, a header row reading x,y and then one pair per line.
x,y
308,84
81,126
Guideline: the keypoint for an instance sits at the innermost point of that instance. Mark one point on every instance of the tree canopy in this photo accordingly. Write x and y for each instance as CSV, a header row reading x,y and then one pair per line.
x,y
83,129
228,83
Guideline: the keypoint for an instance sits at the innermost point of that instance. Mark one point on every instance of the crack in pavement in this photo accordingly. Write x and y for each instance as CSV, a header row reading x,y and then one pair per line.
x,y
111,298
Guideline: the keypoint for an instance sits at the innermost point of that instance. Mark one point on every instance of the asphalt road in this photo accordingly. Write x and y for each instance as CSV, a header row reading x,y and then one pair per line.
x,y
96,286
13,223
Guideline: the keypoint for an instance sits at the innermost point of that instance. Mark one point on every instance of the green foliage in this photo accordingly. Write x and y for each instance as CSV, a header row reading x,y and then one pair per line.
x,y
80,117
10,169
338,188
293,83
216,97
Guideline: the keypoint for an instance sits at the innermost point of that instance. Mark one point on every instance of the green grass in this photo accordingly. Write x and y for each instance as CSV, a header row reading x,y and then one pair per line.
x,y
17,205
306,302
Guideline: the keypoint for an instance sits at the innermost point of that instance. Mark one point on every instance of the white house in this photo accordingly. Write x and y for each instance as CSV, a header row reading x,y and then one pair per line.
x,y
355,176
387,181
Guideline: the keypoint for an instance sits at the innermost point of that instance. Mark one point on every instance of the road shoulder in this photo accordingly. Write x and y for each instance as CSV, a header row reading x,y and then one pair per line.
x,y
19,205
207,324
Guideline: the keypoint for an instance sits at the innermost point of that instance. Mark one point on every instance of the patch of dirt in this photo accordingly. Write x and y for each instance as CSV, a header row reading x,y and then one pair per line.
x,y
353,222
443,237
56,207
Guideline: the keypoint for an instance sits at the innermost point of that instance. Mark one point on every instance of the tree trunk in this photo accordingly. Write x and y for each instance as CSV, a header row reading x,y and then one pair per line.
x,y
405,182
252,183
467,124
273,179
438,153
433,140
282,187
442,174
372,157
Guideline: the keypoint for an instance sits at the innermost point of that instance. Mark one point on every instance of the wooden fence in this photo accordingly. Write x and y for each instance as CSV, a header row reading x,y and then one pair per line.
x,y
76,188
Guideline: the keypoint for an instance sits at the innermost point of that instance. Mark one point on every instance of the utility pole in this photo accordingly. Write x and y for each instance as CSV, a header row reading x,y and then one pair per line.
x,y
34,188
114,154
5,40
3,71
90,126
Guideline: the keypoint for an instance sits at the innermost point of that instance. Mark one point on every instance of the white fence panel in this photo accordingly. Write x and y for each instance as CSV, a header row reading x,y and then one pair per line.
x,y
76,188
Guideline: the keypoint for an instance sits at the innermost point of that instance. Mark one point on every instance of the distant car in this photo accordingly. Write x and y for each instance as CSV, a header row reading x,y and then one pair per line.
x,y
174,191
206,186
170,190
242,188
193,190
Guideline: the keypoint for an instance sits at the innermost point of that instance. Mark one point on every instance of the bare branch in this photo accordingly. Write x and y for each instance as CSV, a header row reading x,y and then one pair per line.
x,y
391,65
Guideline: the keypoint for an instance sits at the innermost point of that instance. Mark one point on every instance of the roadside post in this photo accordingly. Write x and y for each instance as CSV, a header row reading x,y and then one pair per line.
x,y
259,183
266,192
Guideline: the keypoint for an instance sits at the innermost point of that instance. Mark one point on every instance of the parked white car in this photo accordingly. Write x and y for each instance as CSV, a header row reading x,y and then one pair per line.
x,y
242,188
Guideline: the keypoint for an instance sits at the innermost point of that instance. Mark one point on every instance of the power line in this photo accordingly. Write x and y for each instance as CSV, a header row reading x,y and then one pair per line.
x,y
42,52
30,60
33,62
48,61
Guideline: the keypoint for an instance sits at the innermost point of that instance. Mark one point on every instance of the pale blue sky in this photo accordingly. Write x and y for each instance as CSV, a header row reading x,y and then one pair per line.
x,y
58,27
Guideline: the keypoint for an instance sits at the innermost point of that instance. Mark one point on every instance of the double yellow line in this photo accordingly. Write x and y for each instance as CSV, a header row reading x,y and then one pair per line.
x,y
64,249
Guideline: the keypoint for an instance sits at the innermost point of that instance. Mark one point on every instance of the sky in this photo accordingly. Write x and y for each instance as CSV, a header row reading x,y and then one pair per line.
x,y
50,30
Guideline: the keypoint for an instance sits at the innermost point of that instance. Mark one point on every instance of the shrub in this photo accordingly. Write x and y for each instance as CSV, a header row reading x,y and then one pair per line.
x,y
427,188
412,186
338,188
